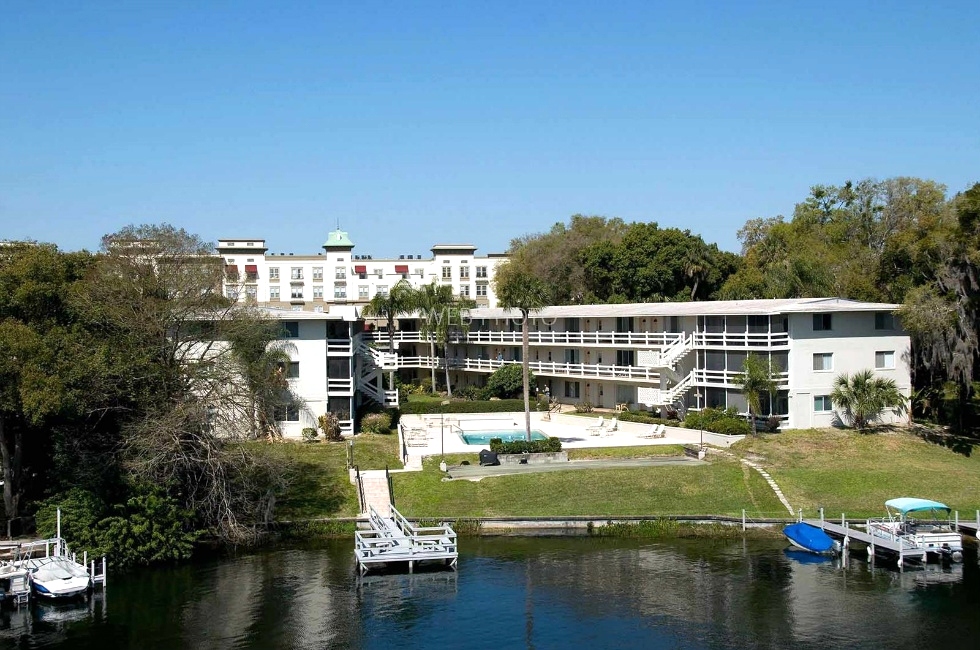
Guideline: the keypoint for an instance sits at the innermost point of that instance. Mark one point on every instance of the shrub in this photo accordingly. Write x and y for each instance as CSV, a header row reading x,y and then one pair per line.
x,y
468,406
550,445
585,407
376,423
647,418
772,424
508,382
330,425
310,434
470,393
727,422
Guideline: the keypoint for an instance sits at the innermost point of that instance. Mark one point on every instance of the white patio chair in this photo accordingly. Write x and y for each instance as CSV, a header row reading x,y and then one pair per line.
x,y
596,429
613,426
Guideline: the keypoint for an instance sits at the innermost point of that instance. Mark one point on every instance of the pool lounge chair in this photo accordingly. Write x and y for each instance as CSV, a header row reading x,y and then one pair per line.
x,y
657,431
596,429
613,426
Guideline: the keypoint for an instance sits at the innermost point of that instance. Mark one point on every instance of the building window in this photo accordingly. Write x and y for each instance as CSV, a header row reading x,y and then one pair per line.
x,y
822,404
823,361
464,272
382,289
362,276
481,271
290,329
481,291
419,271
287,413
447,272
884,321
572,389
821,322
273,272
464,291
362,292
885,360
379,272
340,273
273,293
291,369
317,292
317,272
296,273
251,293
296,292
339,292
231,292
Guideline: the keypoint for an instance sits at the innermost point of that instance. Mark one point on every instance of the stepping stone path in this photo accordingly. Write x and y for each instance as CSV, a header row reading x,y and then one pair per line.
x,y
769,479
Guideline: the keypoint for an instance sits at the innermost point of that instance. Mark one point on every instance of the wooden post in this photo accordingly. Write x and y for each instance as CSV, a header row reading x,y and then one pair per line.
x,y
800,515
105,576
843,521
743,520
956,521
821,517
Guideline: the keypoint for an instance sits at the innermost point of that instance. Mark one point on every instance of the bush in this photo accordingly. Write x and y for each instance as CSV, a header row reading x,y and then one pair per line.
x,y
310,434
469,406
772,424
727,421
585,407
508,382
471,393
550,445
330,425
376,423
648,418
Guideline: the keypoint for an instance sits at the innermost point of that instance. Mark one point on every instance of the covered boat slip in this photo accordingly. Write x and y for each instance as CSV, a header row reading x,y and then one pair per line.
x,y
395,540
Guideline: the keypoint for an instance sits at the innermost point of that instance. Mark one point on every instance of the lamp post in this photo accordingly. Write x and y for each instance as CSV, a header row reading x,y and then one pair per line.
x,y
442,433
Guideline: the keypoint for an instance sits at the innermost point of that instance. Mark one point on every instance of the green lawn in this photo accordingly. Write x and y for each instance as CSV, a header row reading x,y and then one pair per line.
x,y
317,473
854,473
721,487
646,451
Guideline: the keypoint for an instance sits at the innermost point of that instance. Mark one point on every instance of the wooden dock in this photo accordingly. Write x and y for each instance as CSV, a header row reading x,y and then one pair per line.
x,y
900,550
395,540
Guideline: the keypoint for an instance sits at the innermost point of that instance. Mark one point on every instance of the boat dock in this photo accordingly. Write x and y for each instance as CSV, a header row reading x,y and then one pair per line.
x,y
901,550
393,539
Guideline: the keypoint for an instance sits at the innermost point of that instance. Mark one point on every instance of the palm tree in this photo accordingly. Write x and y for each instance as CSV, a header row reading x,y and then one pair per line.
x,y
517,289
396,302
864,396
451,308
758,378
440,310
697,261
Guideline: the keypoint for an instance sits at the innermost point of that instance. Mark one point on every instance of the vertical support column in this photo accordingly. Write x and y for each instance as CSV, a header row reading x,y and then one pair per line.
x,y
821,517
105,576
743,520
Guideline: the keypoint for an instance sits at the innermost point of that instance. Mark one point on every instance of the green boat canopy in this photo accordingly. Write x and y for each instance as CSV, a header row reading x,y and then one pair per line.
x,y
906,505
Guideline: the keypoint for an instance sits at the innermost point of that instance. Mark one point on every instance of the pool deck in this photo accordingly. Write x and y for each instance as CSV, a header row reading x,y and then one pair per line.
x,y
477,472
428,435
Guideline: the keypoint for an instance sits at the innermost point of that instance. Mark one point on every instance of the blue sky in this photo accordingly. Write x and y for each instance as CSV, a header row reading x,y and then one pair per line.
x,y
474,122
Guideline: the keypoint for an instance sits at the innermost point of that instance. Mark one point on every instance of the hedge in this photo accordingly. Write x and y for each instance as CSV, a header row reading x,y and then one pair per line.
x,y
550,445
727,421
646,418
468,406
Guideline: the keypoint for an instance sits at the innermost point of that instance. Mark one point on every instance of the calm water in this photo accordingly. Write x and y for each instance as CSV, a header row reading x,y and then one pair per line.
x,y
523,593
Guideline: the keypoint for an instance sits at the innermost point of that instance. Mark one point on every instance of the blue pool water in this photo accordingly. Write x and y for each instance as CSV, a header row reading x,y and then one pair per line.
x,y
483,437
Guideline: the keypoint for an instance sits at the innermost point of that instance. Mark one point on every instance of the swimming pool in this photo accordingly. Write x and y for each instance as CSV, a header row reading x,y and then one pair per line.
x,y
510,435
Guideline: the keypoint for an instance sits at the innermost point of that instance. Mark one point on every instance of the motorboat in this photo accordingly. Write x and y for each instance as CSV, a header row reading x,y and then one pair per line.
x,y
57,577
922,524
15,582
810,538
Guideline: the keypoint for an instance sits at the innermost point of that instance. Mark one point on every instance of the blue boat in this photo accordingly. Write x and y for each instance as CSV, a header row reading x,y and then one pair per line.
x,y
809,538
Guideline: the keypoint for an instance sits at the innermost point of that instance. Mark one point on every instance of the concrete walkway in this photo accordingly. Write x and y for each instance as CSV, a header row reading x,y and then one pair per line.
x,y
477,472
376,491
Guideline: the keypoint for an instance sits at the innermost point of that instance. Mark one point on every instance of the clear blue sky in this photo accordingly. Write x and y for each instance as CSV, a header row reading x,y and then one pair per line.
x,y
468,121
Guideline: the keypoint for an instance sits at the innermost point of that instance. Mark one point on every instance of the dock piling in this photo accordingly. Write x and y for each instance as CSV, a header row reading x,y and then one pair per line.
x,y
743,520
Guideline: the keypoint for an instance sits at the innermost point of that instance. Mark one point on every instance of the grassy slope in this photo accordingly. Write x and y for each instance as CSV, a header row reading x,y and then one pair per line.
x,y
723,487
844,471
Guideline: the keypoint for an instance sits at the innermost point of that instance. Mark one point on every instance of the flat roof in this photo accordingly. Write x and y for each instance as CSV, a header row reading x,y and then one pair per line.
x,y
706,308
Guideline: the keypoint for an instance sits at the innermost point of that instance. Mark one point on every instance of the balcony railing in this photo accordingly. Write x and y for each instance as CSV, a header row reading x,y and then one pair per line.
x,y
741,339
730,378
634,339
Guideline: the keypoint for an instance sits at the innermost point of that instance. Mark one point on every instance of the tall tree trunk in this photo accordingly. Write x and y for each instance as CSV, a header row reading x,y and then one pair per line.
x,y
432,356
525,344
11,470
449,388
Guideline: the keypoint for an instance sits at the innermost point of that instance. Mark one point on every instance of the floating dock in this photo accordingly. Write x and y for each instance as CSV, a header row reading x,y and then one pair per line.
x,y
900,549
393,540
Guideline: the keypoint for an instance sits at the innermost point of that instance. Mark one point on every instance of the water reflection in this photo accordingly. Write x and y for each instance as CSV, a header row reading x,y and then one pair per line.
x,y
526,593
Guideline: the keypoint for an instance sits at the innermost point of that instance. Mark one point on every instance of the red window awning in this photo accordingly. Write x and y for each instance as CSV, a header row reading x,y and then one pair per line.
x,y
251,268
401,268
360,269
231,269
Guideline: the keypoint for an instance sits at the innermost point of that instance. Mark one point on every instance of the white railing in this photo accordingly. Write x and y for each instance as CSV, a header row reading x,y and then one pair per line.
x,y
338,347
635,339
730,377
742,339
340,384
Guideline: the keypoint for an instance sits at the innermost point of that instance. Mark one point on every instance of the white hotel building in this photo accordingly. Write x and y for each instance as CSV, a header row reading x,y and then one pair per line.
x,y
648,356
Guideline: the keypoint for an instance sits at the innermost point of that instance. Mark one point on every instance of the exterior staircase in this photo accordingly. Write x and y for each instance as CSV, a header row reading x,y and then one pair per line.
x,y
371,364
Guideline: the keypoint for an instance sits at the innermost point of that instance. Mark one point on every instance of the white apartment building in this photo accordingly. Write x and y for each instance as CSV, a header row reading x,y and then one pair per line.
x,y
648,356
337,276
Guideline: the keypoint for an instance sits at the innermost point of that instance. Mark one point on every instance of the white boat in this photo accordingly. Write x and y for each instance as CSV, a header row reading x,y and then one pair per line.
x,y
57,577
931,532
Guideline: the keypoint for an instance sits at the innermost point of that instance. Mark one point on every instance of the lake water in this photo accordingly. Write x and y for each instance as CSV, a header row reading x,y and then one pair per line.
x,y
523,593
